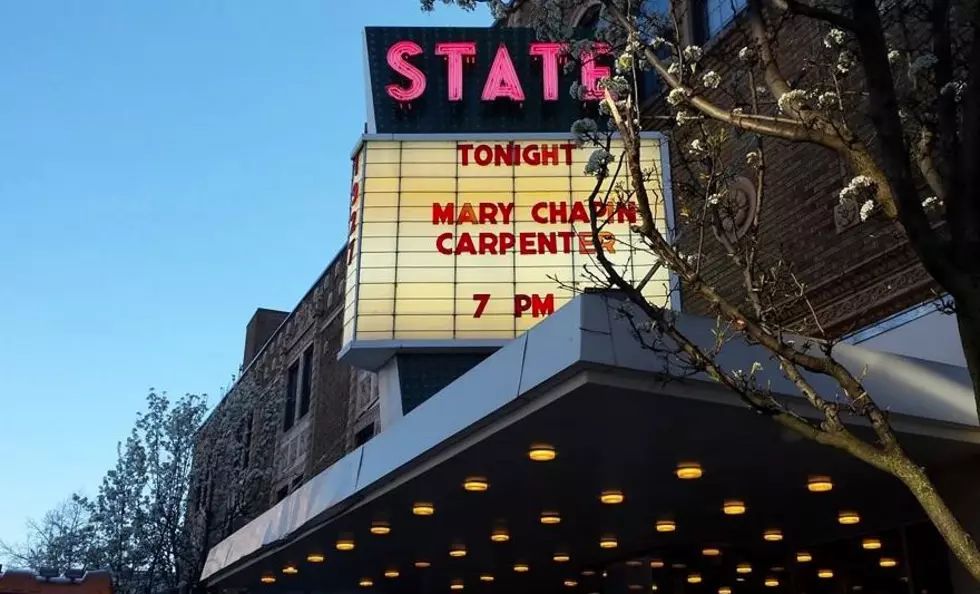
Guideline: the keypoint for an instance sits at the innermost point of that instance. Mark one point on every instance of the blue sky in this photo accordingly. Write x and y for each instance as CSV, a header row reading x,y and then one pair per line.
x,y
165,168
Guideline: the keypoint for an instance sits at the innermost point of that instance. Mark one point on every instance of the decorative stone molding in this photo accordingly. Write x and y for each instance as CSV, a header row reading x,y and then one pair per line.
x,y
737,219
847,214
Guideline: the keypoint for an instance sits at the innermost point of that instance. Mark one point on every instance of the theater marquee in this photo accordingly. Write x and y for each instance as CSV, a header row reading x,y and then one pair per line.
x,y
471,238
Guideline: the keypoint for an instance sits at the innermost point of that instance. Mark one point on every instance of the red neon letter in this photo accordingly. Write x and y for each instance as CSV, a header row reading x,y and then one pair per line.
x,y
592,73
549,51
397,60
454,52
502,80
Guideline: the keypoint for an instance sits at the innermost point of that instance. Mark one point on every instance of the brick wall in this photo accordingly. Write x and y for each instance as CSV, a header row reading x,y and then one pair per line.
x,y
854,276
316,440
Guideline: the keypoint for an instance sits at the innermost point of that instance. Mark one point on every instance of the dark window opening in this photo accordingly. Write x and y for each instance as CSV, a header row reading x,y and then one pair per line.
x,y
292,378
297,482
306,389
282,493
245,440
364,435
592,19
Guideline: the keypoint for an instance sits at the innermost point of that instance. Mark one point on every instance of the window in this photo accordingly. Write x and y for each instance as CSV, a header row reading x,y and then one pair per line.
x,y
306,389
364,435
292,379
282,493
718,13
245,440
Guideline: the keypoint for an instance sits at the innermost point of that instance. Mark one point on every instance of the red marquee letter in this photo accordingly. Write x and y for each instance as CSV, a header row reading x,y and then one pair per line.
x,y
454,52
502,80
549,52
397,60
592,73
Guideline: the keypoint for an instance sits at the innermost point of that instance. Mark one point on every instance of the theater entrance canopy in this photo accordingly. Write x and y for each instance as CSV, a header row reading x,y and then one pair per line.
x,y
556,460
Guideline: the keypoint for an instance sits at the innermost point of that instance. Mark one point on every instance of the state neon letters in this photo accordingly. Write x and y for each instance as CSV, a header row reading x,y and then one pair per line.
x,y
502,80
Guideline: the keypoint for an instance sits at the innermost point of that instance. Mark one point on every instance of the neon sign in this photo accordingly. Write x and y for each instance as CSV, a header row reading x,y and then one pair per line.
x,y
502,80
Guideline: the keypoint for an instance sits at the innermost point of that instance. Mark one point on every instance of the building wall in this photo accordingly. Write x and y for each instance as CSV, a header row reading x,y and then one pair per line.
x,y
282,458
855,275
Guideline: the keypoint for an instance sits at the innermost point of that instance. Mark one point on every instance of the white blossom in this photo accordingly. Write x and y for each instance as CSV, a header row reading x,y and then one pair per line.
x,y
746,54
761,90
866,209
828,100
673,69
859,187
756,367
657,42
931,201
894,56
738,111
834,38
792,100
598,161
693,53
845,61
715,198
683,117
711,79
753,158
697,147
677,96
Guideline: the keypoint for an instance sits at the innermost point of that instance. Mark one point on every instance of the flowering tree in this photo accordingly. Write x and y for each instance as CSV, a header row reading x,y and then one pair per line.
x,y
888,92
62,539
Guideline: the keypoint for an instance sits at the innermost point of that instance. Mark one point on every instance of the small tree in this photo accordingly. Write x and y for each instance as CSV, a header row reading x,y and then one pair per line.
x,y
62,539
891,95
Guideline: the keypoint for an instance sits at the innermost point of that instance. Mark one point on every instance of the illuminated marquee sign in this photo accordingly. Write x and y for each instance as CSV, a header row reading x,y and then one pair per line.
x,y
445,80
480,238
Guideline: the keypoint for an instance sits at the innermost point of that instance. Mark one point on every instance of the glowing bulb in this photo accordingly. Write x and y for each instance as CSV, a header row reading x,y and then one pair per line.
x,y
772,535
380,528
365,582
561,557
887,562
871,544
634,563
423,509
499,535
611,497
804,557
825,573
422,564
570,583
656,563
666,526
391,573
608,542
542,452
345,545
268,579
848,517
711,552
689,470
476,483
743,568
521,568
457,551
456,585
653,587
733,507
771,582
694,578
315,558
550,517
290,570
819,484
724,590
486,577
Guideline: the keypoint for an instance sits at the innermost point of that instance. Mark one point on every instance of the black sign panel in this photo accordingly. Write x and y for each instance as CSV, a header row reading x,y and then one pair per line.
x,y
433,112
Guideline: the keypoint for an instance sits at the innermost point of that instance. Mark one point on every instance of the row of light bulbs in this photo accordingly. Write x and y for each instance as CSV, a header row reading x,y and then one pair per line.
x,y
540,452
